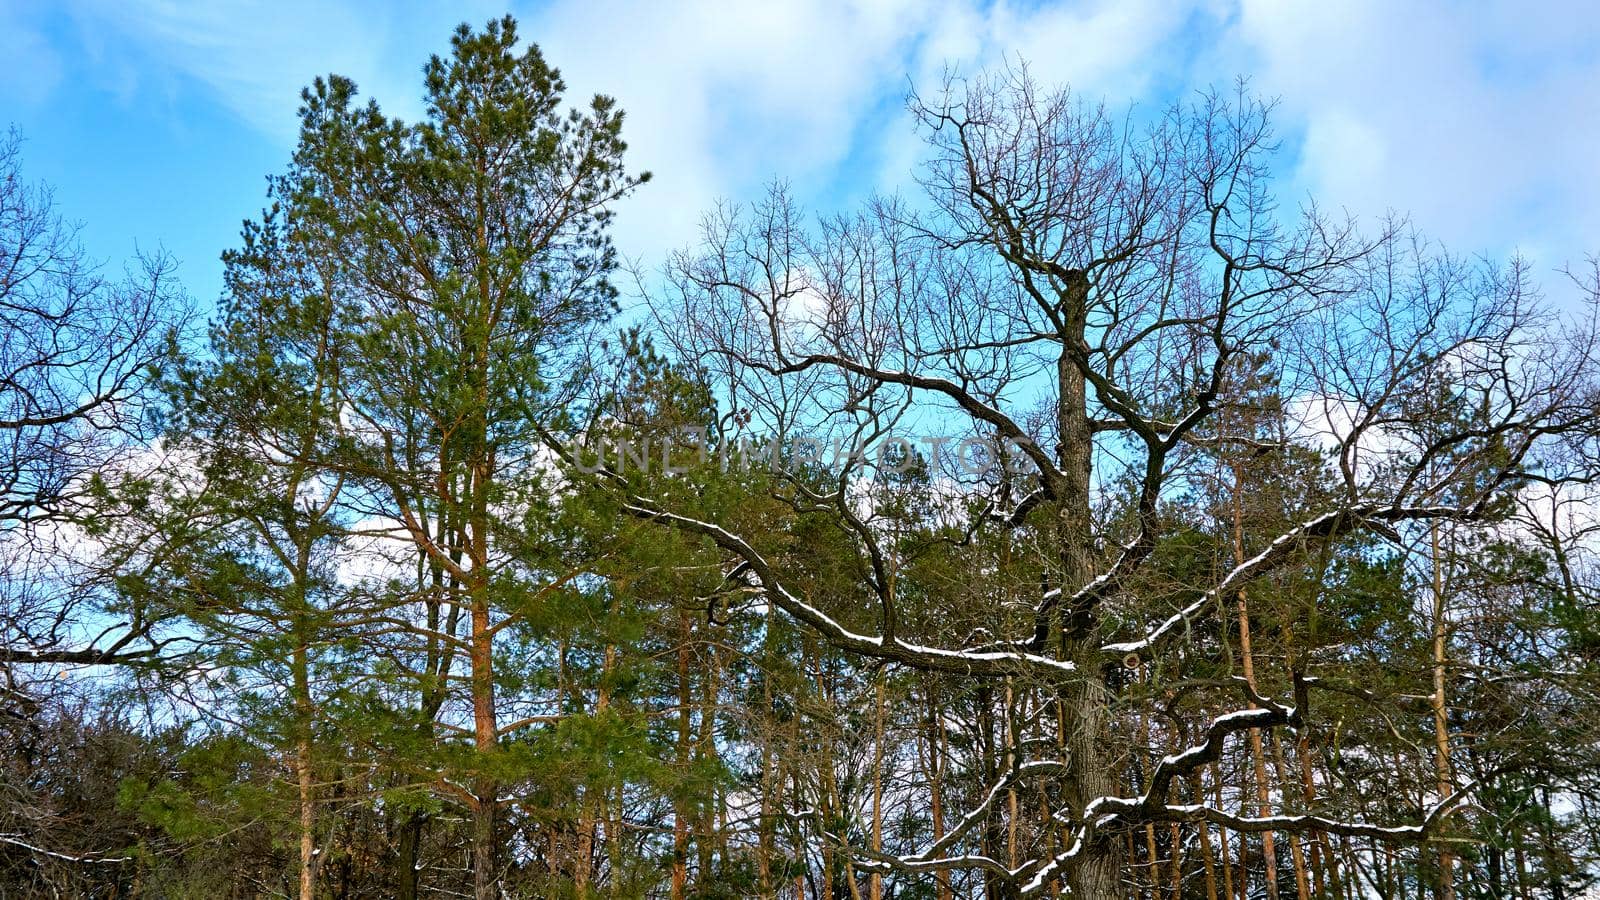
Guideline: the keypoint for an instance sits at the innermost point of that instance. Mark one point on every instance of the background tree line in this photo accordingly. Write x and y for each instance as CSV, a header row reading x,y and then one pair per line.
x,y
1291,593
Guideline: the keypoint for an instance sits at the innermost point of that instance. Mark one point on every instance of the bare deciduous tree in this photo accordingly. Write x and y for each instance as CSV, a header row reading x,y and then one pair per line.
x,y
76,350
1095,291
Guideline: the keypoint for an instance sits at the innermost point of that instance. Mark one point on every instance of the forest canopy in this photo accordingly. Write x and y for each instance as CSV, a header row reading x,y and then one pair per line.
x,y
1084,521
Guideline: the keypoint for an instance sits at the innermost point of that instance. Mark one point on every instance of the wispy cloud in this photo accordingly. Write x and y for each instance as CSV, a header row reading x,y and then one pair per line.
x,y
254,57
1481,122
32,67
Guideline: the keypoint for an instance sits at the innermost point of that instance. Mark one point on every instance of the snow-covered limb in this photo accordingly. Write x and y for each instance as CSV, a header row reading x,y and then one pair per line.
x,y
876,861
884,863
1098,588
84,657
1084,597
1107,811
1151,806
1302,823
1132,555
1019,512
1326,526
1045,872
939,659
933,856
15,841
1267,713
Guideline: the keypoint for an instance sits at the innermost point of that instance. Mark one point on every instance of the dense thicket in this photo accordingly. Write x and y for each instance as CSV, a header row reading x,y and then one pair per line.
x,y
1193,548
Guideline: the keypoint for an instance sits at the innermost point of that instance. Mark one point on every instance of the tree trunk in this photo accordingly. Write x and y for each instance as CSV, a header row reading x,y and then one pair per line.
x,y
875,880
1552,866
406,874
1302,884
1088,777
705,748
1143,761
1441,730
1207,855
1319,839
1524,883
771,784
936,757
303,773
485,739
680,822
1013,819
1269,854
1222,835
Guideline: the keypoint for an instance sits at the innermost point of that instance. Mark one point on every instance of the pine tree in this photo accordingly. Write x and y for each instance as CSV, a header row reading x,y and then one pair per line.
x,y
472,264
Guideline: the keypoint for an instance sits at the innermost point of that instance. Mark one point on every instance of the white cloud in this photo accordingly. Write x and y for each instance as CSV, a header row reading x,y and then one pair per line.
x,y
1481,122
254,57
721,97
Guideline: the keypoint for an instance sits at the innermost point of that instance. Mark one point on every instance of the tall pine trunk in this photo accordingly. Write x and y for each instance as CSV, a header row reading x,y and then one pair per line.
x,y
875,879
1269,854
485,730
937,752
680,822
1441,730
303,768
484,740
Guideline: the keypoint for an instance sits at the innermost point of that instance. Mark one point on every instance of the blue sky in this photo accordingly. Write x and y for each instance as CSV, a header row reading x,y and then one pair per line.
x,y
157,121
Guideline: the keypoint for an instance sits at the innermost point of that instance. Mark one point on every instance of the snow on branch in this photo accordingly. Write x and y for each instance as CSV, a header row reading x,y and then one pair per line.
x,y
965,662
1326,527
16,841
